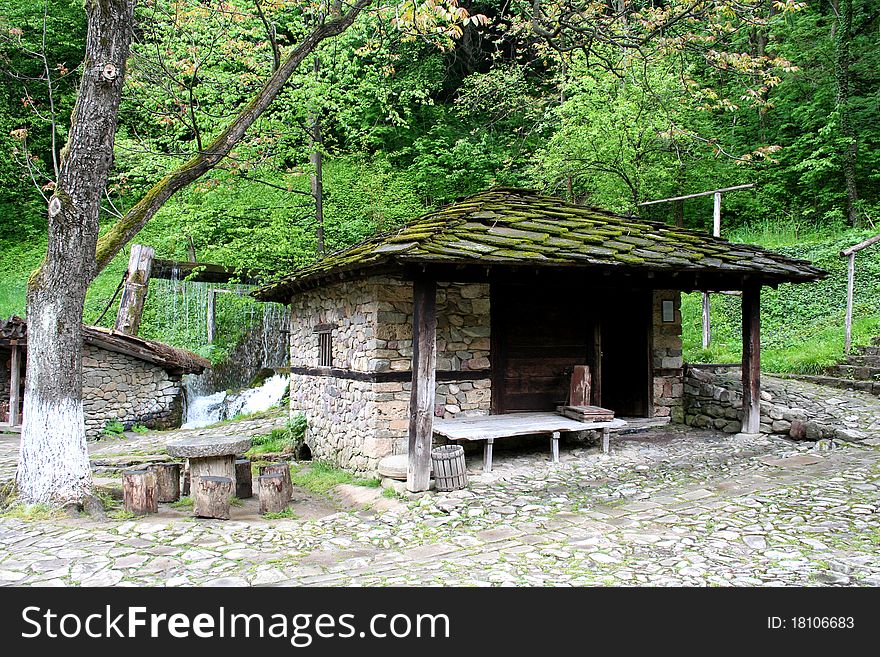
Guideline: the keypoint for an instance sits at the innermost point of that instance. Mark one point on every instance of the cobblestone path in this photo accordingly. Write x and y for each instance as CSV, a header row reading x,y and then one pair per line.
x,y
667,507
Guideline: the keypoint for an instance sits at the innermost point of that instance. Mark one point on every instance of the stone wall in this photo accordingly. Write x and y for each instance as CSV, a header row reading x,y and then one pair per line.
x,y
666,353
354,421
713,399
128,390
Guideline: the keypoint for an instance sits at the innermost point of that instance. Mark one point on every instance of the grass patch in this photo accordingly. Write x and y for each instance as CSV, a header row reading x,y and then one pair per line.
x,y
140,428
801,325
285,440
31,512
122,514
234,501
287,513
183,503
320,477
391,494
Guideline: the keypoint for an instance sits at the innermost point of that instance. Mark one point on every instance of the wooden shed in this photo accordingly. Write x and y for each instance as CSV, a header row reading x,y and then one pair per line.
x,y
486,305
125,378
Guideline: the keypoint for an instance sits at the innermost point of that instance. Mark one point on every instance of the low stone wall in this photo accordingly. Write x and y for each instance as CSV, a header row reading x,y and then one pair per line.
x,y
713,399
128,390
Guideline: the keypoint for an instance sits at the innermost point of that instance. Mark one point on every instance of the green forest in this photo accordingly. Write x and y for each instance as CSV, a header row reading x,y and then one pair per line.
x,y
604,104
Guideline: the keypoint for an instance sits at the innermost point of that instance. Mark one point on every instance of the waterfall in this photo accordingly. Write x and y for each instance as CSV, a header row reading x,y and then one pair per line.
x,y
203,410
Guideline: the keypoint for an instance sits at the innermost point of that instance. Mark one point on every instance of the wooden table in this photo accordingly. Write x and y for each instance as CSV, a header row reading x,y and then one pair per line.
x,y
490,427
210,456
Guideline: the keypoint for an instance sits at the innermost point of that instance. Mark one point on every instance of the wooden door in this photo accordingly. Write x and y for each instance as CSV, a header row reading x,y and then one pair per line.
x,y
539,335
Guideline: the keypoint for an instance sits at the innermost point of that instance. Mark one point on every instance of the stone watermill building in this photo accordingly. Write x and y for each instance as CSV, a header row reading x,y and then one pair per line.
x,y
126,379
485,306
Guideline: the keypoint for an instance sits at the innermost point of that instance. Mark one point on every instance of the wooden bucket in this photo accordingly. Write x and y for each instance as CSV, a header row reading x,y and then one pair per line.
x,y
450,472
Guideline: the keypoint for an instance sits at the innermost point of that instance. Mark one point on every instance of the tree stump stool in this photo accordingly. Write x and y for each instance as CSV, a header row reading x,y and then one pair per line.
x,y
212,496
209,456
139,492
167,481
283,469
244,483
274,496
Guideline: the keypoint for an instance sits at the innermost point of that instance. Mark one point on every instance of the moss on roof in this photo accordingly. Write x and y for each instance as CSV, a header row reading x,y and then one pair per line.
x,y
505,226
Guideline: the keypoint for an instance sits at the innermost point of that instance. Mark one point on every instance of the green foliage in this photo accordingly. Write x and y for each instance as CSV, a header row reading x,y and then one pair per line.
x,y
280,515
140,428
285,440
113,428
801,325
185,502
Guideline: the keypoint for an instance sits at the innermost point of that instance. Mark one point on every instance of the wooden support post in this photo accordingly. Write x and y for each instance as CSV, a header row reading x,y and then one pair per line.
x,y
421,404
487,455
15,385
751,359
212,495
139,492
134,294
707,321
244,487
606,440
554,447
167,481
212,315
596,365
850,287
273,494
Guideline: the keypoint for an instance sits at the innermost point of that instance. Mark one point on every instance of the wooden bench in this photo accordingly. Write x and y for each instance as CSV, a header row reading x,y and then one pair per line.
x,y
491,427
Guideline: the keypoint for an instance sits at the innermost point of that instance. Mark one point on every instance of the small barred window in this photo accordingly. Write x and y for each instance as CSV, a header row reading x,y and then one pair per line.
x,y
325,345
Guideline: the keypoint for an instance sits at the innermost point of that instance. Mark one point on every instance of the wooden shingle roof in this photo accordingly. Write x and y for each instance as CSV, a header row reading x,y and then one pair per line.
x,y
515,227
13,331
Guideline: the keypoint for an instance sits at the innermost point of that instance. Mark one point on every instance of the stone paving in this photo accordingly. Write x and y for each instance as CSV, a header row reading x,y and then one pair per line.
x,y
672,506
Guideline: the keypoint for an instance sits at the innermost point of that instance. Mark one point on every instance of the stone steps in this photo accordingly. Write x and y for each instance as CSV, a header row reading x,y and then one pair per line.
x,y
871,387
870,350
864,360
856,372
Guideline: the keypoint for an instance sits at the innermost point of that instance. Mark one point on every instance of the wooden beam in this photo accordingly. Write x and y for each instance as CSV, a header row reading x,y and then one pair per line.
x,y
861,245
134,294
421,405
15,385
199,272
850,287
709,193
751,359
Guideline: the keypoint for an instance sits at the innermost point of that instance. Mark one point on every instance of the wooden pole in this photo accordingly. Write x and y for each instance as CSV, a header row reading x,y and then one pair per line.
x,y
596,365
850,287
421,404
707,304
212,315
751,359
716,216
131,306
14,385
709,193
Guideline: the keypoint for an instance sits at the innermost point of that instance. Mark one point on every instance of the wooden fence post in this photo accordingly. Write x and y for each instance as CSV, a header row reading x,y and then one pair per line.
x,y
850,287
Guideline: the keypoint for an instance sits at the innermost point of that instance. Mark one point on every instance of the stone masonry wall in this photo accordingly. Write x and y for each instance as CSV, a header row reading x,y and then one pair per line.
x,y
128,390
666,353
354,423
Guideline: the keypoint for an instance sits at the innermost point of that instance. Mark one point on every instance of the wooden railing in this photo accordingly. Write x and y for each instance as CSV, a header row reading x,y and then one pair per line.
x,y
850,253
